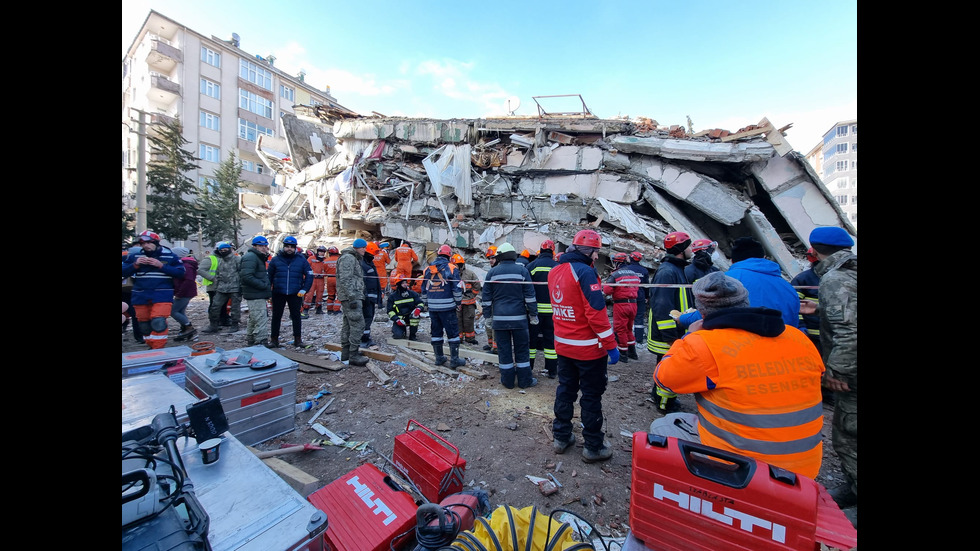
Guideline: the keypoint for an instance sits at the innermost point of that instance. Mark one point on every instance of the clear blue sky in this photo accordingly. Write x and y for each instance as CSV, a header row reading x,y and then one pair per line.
x,y
726,64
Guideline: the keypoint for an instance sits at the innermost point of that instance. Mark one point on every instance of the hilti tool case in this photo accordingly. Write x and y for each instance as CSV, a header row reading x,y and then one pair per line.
x,y
429,461
687,496
366,508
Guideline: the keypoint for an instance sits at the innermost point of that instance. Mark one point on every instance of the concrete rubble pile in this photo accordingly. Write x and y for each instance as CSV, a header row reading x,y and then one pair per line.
x,y
472,183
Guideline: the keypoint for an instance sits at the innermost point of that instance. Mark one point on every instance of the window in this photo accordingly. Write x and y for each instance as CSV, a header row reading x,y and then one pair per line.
x,y
252,166
204,181
248,130
210,56
255,74
209,153
841,131
841,148
841,199
212,89
286,93
854,129
842,183
210,120
841,166
854,199
854,217
854,147
314,102
256,104
854,165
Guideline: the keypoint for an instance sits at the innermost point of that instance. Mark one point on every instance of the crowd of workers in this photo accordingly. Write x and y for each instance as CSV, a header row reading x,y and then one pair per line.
x,y
759,353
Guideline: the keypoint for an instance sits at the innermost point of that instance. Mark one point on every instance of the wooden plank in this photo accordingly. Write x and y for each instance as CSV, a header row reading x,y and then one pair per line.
x,y
427,347
298,479
379,373
380,356
310,360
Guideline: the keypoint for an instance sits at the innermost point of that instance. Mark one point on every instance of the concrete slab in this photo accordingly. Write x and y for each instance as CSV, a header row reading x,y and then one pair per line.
x,y
718,201
692,150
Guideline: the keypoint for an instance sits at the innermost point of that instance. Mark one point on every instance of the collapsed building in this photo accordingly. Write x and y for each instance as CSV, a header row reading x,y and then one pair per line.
x,y
472,183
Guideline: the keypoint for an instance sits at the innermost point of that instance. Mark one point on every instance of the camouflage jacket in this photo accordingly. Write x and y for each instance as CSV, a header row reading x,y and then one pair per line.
x,y
350,276
838,315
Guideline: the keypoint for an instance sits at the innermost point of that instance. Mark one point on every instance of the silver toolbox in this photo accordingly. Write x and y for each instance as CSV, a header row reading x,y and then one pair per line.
x,y
249,506
259,403
170,361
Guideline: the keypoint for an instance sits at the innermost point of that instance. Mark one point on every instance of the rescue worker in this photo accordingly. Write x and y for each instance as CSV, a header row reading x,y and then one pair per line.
x,y
330,275
373,297
623,285
773,415
256,291
642,299
543,336
663,329
291,278
208,271
318,265
467,308
228,288
491,346
185,289
811,322
764,280
381,261
405,259
153,269
441,293
525,258
837,270
509,304
702,263
404,309
583,339
350,292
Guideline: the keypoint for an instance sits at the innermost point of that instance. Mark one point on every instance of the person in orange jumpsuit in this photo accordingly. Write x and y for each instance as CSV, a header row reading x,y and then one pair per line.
x,y
405,258
381,261
318,264
330,274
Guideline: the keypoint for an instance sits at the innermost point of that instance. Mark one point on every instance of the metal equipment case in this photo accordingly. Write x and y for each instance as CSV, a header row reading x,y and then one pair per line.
x,y
169,360
250,507
367,510
259,404
686,496
429,461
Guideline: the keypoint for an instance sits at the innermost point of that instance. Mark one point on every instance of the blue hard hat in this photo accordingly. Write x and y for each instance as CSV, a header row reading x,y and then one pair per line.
x,y
222,245
289,241
260,240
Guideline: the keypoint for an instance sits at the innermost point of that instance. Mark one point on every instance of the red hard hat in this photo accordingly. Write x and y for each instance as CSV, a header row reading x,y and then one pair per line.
x,y
811,255
149,236
547,245
619,257
636,255
702,244
445,249
588,238
333,250
675,238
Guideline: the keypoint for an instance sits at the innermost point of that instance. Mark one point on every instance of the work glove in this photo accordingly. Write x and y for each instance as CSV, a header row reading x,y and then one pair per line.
x,y
534,321
400,322
613,355
489,321
417,312
301,294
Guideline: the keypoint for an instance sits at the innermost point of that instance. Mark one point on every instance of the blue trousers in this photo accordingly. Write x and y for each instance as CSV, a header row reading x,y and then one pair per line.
x,y
514,356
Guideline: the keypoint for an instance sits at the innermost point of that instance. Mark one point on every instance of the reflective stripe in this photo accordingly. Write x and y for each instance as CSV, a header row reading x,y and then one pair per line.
x,y
606,333
657,347
763,420
814,332
666,324
510,318
550,354
761,446
574,342
545,308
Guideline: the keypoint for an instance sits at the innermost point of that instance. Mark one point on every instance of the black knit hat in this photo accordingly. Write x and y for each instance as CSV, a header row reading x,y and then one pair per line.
x,y
746,247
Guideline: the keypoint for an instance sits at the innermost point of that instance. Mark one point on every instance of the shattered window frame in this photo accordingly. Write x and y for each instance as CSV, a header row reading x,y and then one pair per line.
x,y
210,153
210,57
210,121
258,76
252,102
210,88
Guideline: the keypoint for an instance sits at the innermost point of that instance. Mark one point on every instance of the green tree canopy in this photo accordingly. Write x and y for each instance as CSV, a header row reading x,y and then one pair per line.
x,y
218,202
171,210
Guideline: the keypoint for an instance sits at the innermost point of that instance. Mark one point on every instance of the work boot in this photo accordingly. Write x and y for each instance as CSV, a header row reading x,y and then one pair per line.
x,y
298,343
472,340
263,342
249,340
359,359
273,343
345,356
319,310
211,328
234,328
603,453
844,496
225,322
454,359
560,446
187,332
413,333
305,314
631,352
440,358
487,347
623,359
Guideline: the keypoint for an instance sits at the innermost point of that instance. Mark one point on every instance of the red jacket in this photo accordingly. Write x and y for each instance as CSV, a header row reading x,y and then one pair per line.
x,y
582,329
623,277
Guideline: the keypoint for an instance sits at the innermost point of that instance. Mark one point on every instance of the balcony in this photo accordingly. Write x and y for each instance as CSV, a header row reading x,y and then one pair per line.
x,y
163,90
162,57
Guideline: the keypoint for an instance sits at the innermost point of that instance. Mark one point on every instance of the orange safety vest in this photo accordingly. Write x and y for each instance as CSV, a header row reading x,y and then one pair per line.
x,y
764,398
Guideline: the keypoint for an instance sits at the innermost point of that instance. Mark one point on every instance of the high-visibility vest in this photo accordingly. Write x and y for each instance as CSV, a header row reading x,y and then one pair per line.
x,y
212,272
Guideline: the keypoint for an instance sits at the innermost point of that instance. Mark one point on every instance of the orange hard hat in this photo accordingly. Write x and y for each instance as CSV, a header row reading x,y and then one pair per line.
x,y
492,251
396,280
458,259
373,248
526,253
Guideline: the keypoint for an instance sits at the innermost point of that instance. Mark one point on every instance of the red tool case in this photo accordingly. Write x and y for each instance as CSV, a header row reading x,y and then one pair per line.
x,y
365,510
687,496
429,461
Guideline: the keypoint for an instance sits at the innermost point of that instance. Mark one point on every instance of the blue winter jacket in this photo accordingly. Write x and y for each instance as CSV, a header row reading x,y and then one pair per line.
x,y
290,274
152,285
764,281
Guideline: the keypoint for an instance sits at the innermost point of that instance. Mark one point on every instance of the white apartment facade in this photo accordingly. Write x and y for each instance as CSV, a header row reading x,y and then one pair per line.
x,y
835,160
224,97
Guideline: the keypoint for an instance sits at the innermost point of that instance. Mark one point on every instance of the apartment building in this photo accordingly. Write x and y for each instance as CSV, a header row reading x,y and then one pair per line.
x,y
835,161
224,97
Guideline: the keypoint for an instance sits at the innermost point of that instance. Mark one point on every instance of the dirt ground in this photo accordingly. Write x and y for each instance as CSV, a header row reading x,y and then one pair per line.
x,y
504,435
